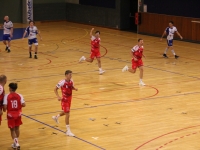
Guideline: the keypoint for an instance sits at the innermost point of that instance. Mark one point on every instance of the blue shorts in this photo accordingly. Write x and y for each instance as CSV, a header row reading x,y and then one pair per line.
x,y
31,41
6,37
170,42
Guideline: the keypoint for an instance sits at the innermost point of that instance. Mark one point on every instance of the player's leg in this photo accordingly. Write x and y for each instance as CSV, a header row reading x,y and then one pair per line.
x,y
55,118
172,50
4,41
69,133
133,69
141,76
30,47
9,43
90,59
36,48
167,48
17,132
99,65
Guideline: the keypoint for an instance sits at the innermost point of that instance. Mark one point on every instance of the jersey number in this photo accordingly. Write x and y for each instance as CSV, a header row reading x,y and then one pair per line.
x,y
14,104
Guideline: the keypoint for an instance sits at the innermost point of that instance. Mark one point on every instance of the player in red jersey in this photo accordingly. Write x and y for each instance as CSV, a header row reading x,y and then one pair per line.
x,y
137,53
3,80
13,103
95,50
66,85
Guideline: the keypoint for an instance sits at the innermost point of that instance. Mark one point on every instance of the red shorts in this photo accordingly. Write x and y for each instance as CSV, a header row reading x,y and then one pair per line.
x,y
136,64
95,53
14,122
66,104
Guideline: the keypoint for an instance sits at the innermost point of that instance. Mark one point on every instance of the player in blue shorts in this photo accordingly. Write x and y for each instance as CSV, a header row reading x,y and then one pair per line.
x,y
7,33
32,32
170,36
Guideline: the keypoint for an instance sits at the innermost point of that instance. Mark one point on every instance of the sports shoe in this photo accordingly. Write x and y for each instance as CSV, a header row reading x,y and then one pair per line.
x,y
82,59
14,146
142,83
165,55
125,68
55,119
6,48
176,57
69,133
8,51
101,72
35,57
30,56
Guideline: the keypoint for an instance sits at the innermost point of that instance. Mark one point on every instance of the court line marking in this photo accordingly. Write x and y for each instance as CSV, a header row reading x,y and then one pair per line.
x,y
165,135
128,101
62,131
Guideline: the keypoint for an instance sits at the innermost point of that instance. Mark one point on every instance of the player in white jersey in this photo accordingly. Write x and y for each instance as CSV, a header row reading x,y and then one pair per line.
x,y
32,32
170,31
7,32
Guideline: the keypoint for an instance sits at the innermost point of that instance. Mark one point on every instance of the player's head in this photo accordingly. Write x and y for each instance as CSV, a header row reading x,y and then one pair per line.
x,y
171,23
12,87
97,33
68,74
6,18
31,23
3,79
140,41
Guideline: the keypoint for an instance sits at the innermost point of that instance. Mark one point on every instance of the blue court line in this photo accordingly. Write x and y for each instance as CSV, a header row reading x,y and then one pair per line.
x,y
63,132
128,101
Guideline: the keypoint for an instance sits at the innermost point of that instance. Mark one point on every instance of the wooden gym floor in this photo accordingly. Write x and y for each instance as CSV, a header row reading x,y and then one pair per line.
x,y
109,111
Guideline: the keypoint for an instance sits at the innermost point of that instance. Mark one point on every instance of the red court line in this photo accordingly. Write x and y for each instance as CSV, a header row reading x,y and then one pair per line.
x,y
139,147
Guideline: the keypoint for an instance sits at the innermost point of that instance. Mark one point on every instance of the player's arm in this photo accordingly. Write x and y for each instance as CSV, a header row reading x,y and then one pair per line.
x,y
56,92
5,102
164,33
38,32
132,55
11,32
75,88
91,31
179,34
4,108
24,34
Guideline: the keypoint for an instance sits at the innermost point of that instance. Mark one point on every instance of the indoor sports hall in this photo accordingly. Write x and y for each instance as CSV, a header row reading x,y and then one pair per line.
x,y
110,111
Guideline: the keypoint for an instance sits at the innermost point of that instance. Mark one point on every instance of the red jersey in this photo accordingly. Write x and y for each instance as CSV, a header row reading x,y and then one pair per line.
x,y
2,93
95,43
137,51
14,103
66,89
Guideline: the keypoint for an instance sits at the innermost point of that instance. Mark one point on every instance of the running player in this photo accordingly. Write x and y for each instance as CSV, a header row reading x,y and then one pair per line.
x,y
95,50
169,31
32,32
13,103
66,86
136,54
3,80
7,33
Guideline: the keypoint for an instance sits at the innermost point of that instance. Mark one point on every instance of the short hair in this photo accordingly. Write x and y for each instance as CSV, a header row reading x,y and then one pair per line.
x,y
139,40
31,21
2,78
171,22
67,72
13,86
97,32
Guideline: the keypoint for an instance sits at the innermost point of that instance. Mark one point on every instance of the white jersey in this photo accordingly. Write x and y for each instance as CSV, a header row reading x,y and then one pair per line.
x,y
7,26
32,32
170,32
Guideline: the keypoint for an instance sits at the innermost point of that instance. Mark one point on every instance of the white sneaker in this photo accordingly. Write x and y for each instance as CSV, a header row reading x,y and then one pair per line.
x,y
69,133
13,146
101,72
55,119
82,59
142,83
125,68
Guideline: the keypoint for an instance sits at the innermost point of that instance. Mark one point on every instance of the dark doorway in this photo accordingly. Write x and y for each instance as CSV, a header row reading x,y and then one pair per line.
x,y
133,10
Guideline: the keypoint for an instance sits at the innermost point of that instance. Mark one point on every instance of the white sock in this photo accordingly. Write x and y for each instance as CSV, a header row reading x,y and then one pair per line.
x,y
100,69
68,127
165,52
16,142
84,58
58,115
140,80
8,47
173,52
